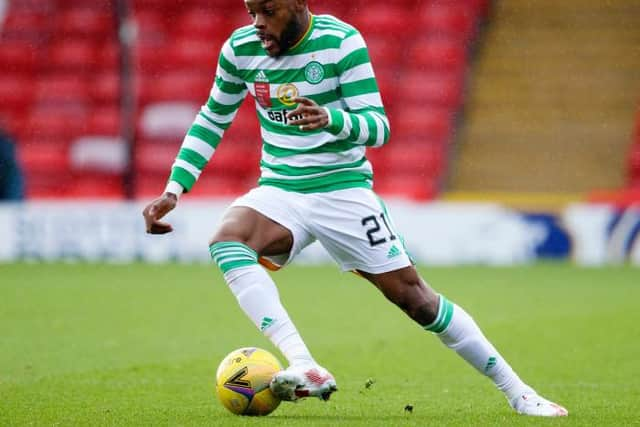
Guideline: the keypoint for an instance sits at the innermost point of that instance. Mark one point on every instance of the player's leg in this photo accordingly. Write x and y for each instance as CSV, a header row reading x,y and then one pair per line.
x,y
458,331
357,230
243,236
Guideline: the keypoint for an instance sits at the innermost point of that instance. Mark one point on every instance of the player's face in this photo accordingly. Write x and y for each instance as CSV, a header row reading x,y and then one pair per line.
x,y
278,23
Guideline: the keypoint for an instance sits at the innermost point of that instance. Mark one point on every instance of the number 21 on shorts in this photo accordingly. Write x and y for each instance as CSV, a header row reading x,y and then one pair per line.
x,y
375,233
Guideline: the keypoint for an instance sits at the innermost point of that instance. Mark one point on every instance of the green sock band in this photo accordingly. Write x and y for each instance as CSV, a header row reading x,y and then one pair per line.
x,y
232,255
445,312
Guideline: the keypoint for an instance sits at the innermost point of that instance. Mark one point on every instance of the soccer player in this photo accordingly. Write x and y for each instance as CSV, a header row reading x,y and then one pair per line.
x,y
319,108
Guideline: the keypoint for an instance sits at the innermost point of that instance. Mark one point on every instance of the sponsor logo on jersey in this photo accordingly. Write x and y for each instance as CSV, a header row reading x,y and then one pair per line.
x,y
314,72
286,93
262,89
280,116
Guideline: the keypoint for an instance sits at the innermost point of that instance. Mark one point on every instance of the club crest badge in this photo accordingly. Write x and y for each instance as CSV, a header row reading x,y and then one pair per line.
x,y
314,72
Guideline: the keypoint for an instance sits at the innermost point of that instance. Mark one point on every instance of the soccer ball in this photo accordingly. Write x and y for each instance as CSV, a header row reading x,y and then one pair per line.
x,y
242,381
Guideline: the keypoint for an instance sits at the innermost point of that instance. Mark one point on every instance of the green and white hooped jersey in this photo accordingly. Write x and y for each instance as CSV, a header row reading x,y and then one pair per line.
x,y
329,65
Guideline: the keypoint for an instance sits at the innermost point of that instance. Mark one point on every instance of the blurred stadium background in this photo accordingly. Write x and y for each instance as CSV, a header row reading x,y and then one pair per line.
x,y
530,105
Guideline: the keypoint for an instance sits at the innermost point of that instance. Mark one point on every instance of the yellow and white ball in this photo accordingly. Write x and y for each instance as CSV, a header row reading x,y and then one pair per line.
x,y
242,381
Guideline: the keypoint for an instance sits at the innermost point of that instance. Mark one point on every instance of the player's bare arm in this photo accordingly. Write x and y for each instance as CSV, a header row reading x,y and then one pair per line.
x,y
156,210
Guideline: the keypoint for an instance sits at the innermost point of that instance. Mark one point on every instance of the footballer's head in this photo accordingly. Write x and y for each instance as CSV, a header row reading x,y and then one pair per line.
x,y
280,23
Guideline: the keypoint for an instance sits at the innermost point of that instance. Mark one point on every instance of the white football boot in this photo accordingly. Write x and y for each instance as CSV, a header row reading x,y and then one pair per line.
x,y
531,403
300,381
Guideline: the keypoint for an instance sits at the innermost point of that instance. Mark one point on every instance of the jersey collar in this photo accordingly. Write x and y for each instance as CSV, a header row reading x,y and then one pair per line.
x,y
306,35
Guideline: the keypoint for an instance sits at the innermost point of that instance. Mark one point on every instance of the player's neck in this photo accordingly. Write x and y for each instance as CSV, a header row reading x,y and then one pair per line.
x,y
306,24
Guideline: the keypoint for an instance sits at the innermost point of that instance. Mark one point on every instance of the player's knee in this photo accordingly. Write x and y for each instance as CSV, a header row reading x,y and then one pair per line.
x,y
414,298
225,238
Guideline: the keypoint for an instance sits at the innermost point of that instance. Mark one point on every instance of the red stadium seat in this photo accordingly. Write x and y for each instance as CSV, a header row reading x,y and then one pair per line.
x,y
406,187
150,57
203,24
208,185
191,86
95,186
238,18
439,89
19,57
108,57
44,186
634,161
480,8
74,55
337,8
439,54
101,154
13,121
387,83
376,157
150,27
477,8
25,25
33,6
62,89
235,160
56,123
16,91
166,121
102,5
85,22
105,88
419,158
152,157
449,18
388,18
104,120
634,183
162,5
212,184
245,129
636,133
149,186
44,156
193,54
384,51
417,121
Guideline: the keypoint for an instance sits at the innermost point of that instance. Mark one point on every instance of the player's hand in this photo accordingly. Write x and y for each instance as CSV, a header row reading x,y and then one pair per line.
x,y
156,210
308,115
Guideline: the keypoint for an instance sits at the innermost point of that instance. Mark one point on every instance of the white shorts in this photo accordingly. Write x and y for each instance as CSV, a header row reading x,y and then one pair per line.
x,y
353,225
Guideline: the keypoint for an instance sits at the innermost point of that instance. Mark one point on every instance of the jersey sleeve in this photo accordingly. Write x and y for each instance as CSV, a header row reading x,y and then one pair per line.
x,y
363,120
204,135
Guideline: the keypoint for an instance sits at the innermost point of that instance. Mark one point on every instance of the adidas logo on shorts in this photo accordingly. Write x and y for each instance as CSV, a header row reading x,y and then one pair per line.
x,y
393,252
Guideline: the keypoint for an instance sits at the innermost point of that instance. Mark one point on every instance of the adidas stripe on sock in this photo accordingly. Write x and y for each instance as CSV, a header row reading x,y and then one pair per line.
x,y
230,255
445,313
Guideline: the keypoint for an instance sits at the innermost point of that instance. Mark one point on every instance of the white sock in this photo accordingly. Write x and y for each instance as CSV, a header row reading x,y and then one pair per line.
x,y
259,299
458,331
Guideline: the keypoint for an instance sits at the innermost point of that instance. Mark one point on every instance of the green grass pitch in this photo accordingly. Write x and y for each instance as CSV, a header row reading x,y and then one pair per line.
x,y
139,345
